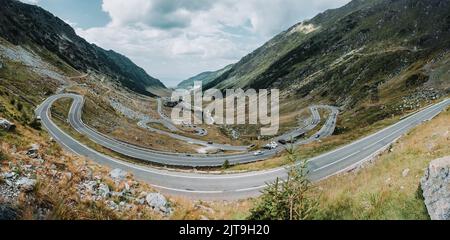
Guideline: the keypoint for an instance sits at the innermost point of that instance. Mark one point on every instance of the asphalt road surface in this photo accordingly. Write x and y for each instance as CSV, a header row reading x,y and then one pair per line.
x,y
237,186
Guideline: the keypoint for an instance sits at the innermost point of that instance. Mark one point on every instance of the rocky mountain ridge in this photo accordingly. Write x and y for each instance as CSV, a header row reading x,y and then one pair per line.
x,y
24,24
374,51
205,77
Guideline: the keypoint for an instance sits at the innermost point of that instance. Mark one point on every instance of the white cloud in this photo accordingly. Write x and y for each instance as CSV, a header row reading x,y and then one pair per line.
x,y
176,39
30,1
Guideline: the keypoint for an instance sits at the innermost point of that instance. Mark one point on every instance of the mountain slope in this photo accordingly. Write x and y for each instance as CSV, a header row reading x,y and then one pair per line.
x,y
254,64
23,24
205,77
368,50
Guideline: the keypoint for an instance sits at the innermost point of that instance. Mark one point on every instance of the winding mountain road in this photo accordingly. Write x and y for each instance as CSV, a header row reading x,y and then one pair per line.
x,y
235,186
165,158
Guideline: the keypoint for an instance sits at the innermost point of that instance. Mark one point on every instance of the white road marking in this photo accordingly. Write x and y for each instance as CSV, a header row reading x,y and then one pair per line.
x,y
336,162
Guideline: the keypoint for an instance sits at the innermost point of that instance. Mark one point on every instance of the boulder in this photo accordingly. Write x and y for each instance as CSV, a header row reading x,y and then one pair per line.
x,y
26,184
118,174
158,202
405,172
33,152
436,189
111,204
90,186
8,175
103,190
8,212
68,175
6,125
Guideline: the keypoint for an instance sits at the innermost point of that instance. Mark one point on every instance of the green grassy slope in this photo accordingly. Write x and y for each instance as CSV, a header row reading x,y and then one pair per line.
x,y
205,77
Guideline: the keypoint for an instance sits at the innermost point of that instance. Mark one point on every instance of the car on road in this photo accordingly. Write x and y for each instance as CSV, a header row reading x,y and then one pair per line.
x,y
210,143
282,142
271,145
258,153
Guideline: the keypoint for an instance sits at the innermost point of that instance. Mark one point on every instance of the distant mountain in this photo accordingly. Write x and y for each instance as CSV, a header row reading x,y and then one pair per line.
x,y
31,25
205,77
351,54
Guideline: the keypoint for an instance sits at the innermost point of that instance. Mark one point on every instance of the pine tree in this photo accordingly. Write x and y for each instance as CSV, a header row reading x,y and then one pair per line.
x,y
226,164
290,199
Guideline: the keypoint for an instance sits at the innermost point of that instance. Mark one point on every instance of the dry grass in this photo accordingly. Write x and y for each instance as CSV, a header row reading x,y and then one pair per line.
x,y
379,191
58,196
56,193
218,210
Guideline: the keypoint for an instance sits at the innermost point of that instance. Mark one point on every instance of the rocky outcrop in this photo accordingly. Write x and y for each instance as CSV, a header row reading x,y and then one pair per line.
x,y
8,212
6,125
15,184
436,189
33,152
26,184
158,202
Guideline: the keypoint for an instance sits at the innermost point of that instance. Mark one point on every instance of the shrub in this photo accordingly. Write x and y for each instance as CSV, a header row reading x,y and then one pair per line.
x,y
19,106
226,164
36,124
290,199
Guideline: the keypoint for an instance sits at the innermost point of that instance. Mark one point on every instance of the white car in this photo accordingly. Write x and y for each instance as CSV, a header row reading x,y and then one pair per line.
x,y
271,145
258,153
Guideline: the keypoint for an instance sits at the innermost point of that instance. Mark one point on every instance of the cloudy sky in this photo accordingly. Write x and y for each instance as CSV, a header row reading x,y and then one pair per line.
x,y
176,39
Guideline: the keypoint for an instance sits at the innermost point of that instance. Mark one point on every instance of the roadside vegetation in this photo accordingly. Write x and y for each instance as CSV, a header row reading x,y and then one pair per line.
x,y
388,188
385,188
291,199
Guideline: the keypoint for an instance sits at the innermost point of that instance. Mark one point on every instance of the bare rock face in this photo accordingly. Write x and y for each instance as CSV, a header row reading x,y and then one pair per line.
x,y
8,212
26,184
5,124
436,189
158,202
